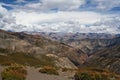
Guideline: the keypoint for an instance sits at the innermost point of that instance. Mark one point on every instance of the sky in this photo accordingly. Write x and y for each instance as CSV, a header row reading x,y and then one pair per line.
x,y
84,16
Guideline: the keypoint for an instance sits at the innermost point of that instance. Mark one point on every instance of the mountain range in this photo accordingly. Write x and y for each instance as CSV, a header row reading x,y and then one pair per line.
x,y
37,45
87,42
78,50
102,49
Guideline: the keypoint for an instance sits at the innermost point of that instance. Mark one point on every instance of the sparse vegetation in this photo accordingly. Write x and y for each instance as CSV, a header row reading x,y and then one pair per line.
x,y
83,76
4,50
14,72
95,74
25,59
67,69
49,70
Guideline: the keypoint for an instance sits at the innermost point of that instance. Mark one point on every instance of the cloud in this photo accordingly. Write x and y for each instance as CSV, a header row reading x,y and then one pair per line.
x,y
69,21
6,18
19,1
3,11
47,5
62,4
105,4
37,16
65,5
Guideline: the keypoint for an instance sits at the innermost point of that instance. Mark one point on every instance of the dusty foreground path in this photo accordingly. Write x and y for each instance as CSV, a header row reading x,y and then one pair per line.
x,y
33,74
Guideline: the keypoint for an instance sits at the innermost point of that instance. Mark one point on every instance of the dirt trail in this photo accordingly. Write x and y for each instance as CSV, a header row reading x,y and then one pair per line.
x,y
33,74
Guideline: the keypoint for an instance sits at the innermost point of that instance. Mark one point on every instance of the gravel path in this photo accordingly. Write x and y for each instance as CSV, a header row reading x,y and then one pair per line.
x,y
33,74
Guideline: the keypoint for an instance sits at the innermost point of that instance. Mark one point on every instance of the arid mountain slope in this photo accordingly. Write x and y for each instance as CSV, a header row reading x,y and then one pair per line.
x,y
87,42
37,45
103,49
106,58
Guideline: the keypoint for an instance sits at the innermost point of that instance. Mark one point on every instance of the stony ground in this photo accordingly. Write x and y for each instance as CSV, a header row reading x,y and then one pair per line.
x,y
33,74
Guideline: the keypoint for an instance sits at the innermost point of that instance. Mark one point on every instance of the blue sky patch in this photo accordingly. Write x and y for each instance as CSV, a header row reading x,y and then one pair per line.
x,y
8,1
7,7
116,9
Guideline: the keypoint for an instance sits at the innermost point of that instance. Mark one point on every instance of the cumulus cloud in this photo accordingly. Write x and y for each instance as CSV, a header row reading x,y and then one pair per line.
x,y
67,5
63,5
84,22
37,17
6,18
3,11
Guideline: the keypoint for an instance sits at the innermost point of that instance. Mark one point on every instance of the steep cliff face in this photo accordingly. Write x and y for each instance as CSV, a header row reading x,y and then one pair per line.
x,y
37,45
106,58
